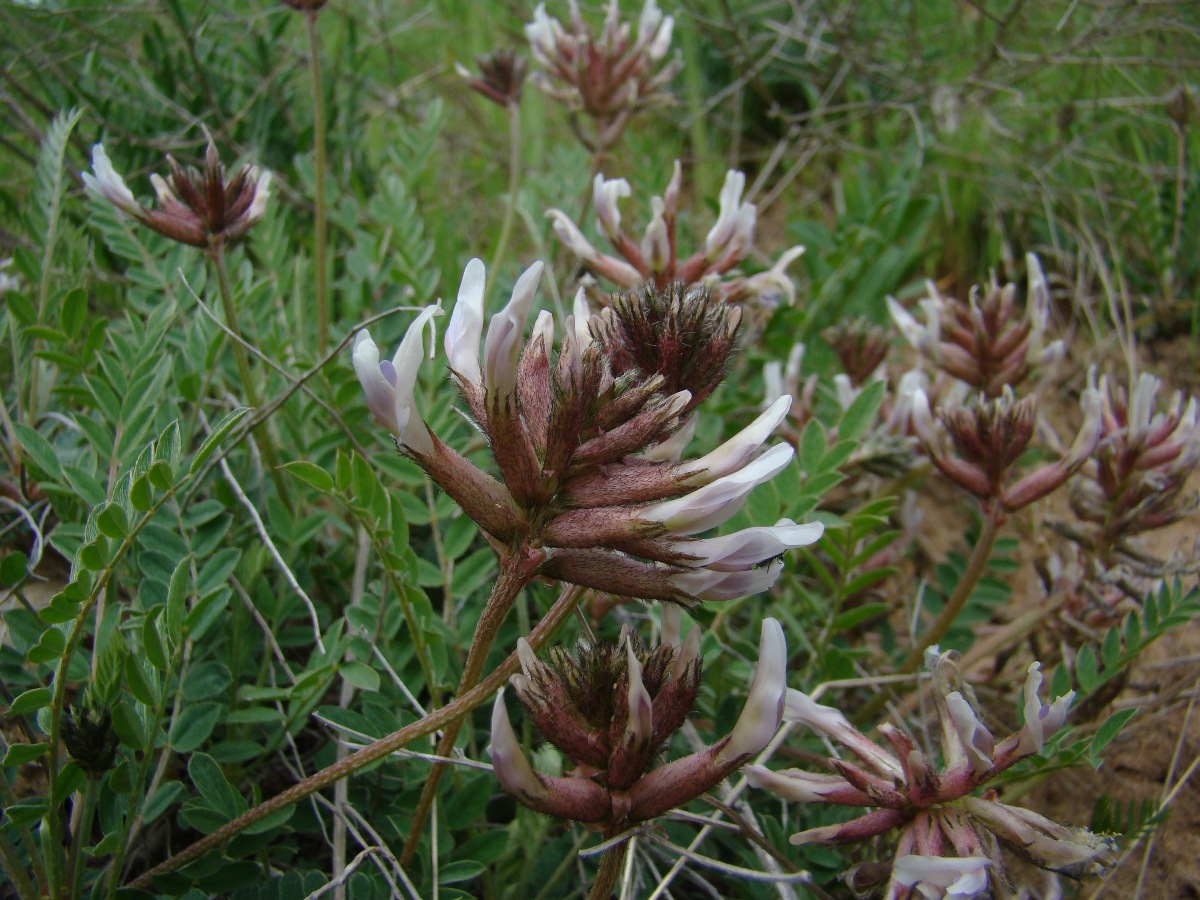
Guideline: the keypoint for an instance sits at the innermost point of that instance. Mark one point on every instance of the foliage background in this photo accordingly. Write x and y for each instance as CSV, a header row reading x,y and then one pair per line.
x,y
899,141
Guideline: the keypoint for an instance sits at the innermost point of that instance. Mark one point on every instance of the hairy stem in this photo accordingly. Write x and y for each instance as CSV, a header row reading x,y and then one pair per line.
x,y
516,569
319,231
456,709
609,873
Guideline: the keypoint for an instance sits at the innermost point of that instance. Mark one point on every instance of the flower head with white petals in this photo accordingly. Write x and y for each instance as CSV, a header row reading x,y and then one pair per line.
x,y
949,839
985,341
608,76
588,441
654,258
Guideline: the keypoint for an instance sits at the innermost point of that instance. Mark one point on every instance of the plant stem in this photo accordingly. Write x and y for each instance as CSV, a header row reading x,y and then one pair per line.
x,y
609,873
225,289
10,864
514,182
976,565
516,569
456,709
319,252
82,831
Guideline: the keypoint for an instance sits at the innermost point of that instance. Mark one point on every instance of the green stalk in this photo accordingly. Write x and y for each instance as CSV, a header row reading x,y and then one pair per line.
x,y
319,231
976,565
514,183
74,868
225,289
451,712
515,573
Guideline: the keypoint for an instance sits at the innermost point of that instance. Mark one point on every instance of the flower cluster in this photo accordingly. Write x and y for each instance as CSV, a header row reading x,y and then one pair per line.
x,y
655,258
610,708
609,77
986,440
861,347
985,342
1142,461
200,209
588,442
501,77
950,838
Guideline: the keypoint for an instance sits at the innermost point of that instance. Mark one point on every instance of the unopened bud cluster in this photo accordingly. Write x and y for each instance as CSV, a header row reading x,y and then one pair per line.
x,y
949,840
610,76
198,208
610,708
655,258
1142,462
501,77
986,440
588,441
88,735
986,342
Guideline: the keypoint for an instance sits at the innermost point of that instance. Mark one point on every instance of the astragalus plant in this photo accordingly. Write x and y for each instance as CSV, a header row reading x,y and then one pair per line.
x,y
315,584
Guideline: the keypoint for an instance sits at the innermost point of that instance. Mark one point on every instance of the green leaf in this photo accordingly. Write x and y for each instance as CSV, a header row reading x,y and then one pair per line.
x,y
20,754
141,497
1109,730
152,642
193,725
74,312
38,449
360,675
167,794
861,412
812,447
138,682
181,582
1085,669
217,792
161,476
63,607
463,870
49,647
310,474
218,433
111,521
129,726
49,185
168,448
30,701
13,569
209,679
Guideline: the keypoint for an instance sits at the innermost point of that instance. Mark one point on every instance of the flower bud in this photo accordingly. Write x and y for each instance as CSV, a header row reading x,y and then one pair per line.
x,y
88,735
